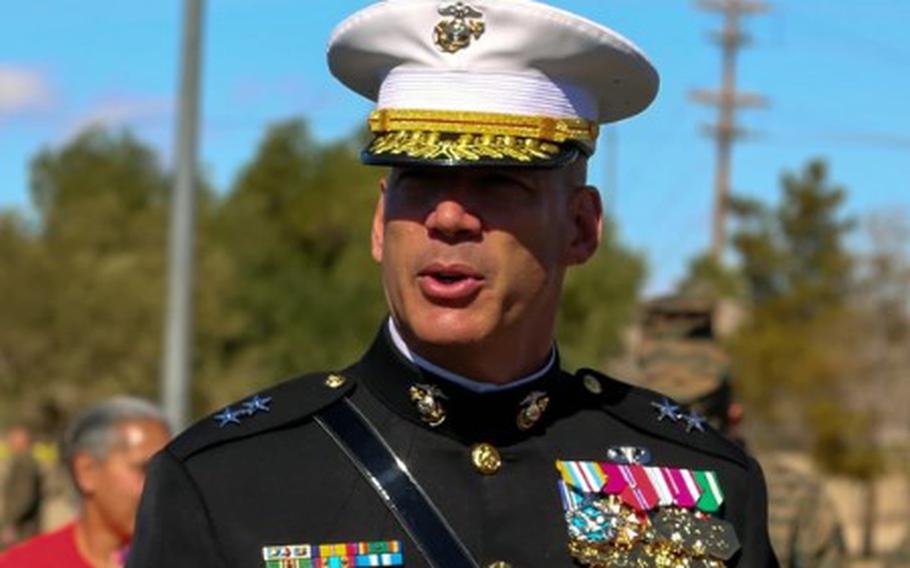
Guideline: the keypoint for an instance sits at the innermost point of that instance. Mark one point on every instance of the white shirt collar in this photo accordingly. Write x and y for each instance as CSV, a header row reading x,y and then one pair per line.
x,y
470,384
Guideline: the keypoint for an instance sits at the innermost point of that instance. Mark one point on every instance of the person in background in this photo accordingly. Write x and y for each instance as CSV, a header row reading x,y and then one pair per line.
x,y
900,556
106,450
802,520
21,490
679,355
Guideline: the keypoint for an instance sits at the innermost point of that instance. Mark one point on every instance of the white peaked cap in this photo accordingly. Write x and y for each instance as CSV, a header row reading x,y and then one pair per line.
x,y
487,81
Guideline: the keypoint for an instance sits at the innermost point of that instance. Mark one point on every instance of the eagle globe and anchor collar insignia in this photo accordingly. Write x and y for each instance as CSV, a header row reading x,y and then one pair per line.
x,y
428,400
634,515
531,410
465,24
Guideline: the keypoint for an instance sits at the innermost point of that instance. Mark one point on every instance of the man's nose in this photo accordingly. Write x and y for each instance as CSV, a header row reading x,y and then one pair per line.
x,y
452,217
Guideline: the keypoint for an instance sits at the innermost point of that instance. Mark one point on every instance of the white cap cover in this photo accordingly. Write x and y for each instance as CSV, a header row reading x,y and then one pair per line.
x,y
486,81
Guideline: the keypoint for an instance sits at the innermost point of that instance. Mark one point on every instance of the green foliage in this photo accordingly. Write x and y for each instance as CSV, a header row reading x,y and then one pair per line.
x,y
598,302
284,279
793,257
88,279
304,292
842,441
797,275
709,278
796,359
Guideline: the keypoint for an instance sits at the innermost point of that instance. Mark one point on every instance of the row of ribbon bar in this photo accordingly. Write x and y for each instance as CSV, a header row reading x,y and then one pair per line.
x,y
641,487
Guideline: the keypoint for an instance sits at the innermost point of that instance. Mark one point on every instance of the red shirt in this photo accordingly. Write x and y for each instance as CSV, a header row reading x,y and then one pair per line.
x,y
55,549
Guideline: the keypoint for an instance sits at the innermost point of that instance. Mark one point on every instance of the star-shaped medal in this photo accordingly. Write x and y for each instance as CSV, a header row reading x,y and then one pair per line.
x,y
694,421
227,416
256,404
666,409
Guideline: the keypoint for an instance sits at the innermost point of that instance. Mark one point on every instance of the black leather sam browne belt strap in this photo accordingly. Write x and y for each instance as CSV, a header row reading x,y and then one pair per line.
x,y
397,488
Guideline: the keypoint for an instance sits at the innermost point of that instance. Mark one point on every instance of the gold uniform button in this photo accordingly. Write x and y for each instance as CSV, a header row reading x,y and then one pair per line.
x,y
499,564
593,384
486,459
334,381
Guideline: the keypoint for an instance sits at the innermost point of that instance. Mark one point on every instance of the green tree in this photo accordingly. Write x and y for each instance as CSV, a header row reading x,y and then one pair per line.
x,y
790,360
823,356
285,281
304,292
23,269
599,303
793,258
706,277
87,276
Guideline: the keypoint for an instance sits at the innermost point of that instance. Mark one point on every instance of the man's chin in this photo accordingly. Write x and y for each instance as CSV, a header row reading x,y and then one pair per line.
x,y
449,330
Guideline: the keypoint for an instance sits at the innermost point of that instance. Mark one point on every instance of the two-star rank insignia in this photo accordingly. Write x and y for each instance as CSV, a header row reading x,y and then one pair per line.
x,y
257,404
228,416
667,409
694,421
247,408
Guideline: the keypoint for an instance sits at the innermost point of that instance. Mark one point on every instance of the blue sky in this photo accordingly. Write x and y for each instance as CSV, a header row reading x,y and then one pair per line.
x,y
837,74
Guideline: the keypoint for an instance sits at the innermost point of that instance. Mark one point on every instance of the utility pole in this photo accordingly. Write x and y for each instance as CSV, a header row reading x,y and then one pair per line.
x,y
731,38
175,378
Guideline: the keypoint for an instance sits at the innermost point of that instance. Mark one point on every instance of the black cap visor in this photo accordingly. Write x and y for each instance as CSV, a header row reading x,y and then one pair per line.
x,y
444,151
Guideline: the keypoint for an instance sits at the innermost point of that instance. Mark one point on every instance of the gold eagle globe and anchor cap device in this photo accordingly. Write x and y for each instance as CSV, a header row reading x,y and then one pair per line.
x,y
487,82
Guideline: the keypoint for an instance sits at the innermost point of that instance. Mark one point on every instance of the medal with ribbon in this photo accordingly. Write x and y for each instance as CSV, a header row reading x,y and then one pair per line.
x,y
637,515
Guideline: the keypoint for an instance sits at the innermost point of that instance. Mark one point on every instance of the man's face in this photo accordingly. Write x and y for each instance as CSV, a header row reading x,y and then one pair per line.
x,y
19,440
113,485
476,257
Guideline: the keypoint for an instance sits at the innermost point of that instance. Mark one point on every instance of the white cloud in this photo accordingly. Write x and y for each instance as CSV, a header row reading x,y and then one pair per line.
x,y
22,90
133,111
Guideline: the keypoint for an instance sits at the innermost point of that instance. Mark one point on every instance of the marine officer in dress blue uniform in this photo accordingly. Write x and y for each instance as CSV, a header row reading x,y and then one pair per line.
x,y
458,439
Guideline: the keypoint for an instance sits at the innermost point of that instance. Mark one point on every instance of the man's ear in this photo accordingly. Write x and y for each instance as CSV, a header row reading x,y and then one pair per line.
x,y
378,231
85,473
586,212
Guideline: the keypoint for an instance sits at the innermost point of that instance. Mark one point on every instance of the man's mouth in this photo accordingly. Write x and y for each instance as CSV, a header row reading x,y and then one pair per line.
x,y
447,283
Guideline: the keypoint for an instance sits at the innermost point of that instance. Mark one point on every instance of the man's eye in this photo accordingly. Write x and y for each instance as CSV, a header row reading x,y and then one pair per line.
x,y
505,182
409,186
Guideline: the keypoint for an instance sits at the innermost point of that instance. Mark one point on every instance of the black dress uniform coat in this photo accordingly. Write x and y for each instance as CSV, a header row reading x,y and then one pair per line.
x,y
216,495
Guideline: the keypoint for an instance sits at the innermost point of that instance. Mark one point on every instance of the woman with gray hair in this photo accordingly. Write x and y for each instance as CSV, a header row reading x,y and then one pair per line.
x,y
106,450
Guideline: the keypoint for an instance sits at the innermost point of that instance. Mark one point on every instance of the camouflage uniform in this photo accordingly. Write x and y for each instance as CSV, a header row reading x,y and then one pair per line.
x,y
900,558
802,521
678,355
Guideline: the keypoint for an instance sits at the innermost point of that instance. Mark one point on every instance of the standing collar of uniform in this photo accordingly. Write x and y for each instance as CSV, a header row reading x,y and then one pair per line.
x,y
461,380
471,416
